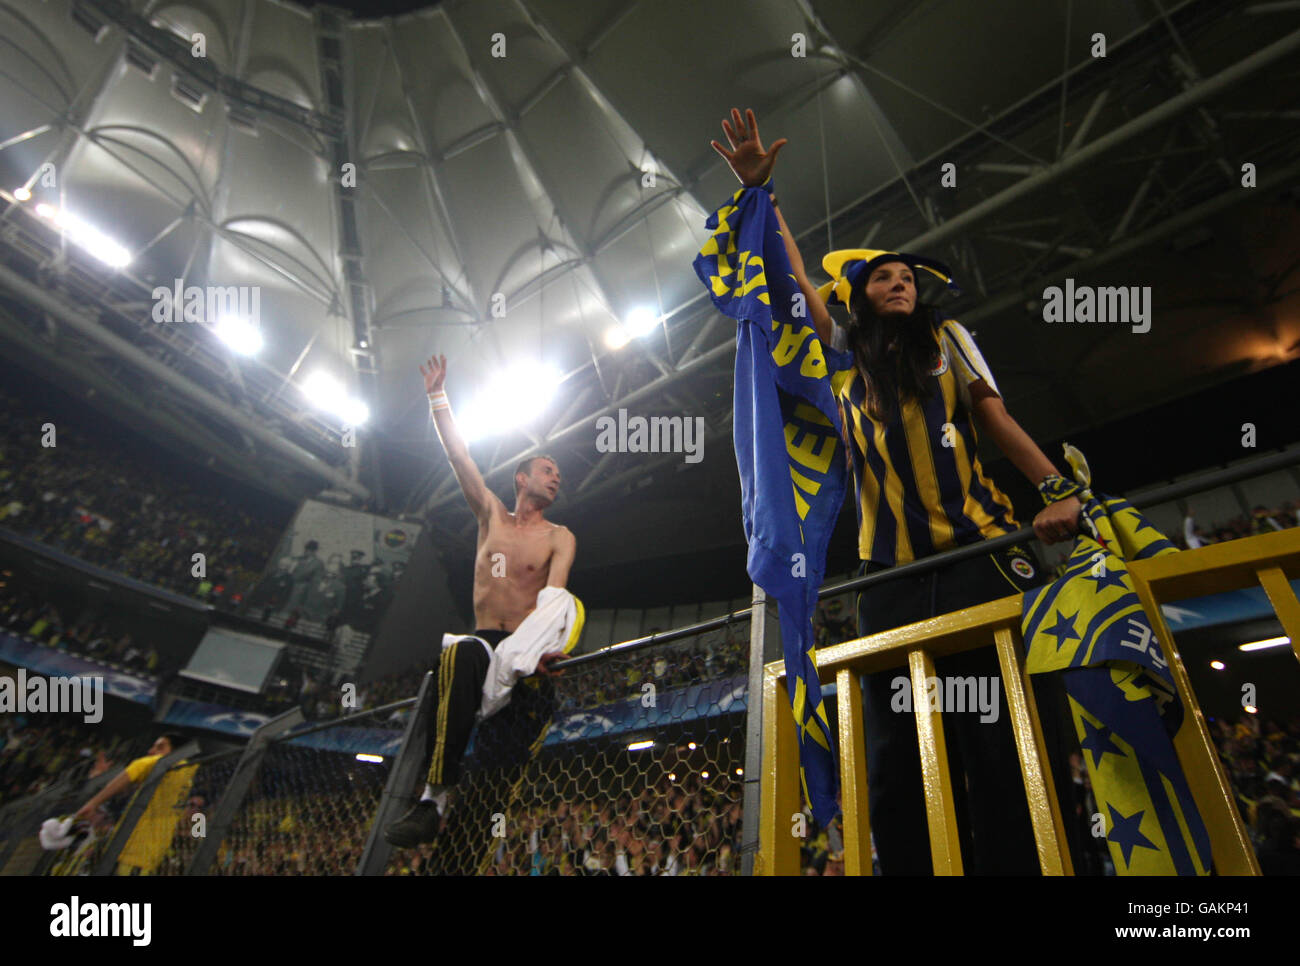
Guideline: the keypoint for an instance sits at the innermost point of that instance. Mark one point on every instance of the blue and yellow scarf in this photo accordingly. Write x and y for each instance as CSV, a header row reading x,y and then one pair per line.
x,y
789,450
1090,626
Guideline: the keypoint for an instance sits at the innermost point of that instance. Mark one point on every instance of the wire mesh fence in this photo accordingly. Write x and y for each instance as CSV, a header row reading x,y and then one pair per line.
x,y
21,820
21,852
309,808
185,799
630,763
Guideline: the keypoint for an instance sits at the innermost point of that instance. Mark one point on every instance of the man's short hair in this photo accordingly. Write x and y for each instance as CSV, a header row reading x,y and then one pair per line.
x,y
311,545
526,466
174,739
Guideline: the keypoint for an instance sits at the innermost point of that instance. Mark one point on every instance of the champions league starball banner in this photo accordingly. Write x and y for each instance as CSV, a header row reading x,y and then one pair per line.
x,y
333,573
724,696
632,716
347,739
214,717
54,662
675,707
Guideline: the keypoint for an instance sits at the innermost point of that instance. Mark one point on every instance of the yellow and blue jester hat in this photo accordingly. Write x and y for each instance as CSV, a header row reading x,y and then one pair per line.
x,y
848,266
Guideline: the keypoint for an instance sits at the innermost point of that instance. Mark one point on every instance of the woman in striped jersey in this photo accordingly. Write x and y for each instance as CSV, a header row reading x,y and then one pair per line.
x,y
911,411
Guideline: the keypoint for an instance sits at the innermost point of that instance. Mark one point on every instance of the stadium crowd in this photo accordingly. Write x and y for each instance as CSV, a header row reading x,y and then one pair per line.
x,y
93,501
91,635
687,828
1262,759
303,834
35,754
1261,519
822,851
710,657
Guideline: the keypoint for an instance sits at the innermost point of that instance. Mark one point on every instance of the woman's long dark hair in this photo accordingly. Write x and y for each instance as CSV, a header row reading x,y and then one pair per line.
x,y
895,354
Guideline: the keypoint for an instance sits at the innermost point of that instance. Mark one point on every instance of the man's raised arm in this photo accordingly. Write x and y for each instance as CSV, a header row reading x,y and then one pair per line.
x,y
120,783
477,495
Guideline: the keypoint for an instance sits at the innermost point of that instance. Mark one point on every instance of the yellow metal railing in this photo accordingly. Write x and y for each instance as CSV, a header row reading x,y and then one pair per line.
x,y
1269,561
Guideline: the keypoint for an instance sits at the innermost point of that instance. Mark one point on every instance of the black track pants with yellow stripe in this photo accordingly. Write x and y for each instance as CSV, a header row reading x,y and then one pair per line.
x,y
461,672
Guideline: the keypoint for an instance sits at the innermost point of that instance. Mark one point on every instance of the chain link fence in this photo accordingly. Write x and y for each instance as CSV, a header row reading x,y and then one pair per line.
x,y
20,822
628,763
307,813
183,802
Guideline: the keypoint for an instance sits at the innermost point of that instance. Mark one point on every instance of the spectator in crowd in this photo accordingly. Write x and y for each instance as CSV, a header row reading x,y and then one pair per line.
x,y
1264,520
134,773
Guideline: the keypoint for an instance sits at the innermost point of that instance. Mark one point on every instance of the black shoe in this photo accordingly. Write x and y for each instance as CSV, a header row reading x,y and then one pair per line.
x,y
421,824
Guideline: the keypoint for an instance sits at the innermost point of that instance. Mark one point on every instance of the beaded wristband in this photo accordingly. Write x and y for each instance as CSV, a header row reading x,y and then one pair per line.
x,y
1054,489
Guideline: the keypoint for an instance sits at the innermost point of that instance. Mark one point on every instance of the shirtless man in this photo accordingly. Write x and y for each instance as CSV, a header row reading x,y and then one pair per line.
x,y
519,553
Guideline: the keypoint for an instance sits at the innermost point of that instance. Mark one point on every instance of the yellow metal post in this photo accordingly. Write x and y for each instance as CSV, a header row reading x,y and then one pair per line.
x,y
778,848
1280,595
1230,845
853,775
941,811
1269,560
1044,809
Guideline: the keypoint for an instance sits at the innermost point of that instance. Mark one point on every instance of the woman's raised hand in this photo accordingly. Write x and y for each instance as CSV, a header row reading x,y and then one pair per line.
x,y
750,163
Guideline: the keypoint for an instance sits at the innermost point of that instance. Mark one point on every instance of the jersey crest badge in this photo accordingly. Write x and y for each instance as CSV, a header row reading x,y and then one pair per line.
x,y
1022,566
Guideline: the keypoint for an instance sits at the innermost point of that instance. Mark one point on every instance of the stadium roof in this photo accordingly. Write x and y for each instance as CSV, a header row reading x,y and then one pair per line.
x,y
568,182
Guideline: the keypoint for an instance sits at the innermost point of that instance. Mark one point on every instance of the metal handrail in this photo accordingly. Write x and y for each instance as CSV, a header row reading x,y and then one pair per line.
x,y
1143,498
343,719
1146,498
663,637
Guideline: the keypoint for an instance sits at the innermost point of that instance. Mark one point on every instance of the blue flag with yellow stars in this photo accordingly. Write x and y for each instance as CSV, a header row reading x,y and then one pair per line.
x,y
789,451
1089,625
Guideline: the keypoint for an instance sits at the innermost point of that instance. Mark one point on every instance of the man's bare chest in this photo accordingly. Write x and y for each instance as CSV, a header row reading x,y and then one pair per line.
x,y
520,550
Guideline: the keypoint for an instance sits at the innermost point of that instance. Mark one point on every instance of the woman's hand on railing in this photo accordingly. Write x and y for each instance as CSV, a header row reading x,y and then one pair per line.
x,y
1058,521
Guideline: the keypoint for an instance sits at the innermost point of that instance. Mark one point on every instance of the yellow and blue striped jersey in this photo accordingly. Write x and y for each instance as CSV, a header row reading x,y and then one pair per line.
x,y
920,486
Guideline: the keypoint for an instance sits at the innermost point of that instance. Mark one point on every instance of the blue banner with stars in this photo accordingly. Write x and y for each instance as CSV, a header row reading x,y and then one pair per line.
x,y
1090,626
789,451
